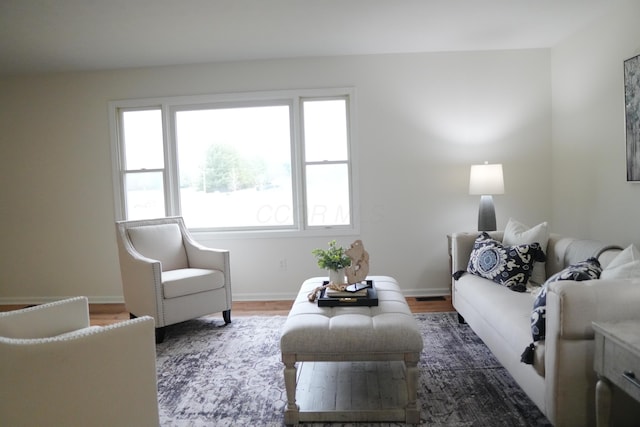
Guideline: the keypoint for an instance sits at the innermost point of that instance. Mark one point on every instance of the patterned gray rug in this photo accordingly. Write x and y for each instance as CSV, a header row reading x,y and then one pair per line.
x,y
214,375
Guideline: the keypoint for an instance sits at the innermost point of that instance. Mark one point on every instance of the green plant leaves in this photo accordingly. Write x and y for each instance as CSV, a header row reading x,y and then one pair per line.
x,y
333,258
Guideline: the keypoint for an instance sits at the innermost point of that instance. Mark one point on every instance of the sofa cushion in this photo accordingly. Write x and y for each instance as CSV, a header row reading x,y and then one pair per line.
x,y
585,270
516,233
497,312
625,265
510,266
187,281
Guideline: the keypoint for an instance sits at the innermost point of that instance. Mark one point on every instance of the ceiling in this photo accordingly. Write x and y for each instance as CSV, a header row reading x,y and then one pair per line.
x,y
67,35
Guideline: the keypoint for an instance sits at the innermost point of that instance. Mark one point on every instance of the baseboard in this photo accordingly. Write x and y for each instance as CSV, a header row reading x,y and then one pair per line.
x,y
261,296
431,292
249,296
288,296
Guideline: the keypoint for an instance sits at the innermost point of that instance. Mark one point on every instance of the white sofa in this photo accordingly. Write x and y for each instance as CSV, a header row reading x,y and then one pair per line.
x,y
561,380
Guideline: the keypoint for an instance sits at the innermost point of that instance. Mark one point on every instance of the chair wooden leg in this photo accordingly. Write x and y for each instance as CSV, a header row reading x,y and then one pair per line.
x,y
226,315
160,335
159,331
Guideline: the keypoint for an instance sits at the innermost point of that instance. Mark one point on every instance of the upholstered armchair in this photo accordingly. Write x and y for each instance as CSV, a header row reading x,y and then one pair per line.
x,y
57,370
169,276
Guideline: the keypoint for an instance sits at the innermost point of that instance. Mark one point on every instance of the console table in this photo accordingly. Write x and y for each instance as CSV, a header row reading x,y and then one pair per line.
x,y
617,362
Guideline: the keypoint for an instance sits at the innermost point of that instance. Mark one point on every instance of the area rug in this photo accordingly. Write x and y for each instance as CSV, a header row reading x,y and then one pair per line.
x,y
215,375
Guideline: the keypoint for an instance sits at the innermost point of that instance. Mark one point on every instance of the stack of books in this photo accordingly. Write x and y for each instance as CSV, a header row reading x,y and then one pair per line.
x,y
355,290
332,293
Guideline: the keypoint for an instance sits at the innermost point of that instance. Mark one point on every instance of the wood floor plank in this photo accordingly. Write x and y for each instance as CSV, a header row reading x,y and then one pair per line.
x,y
373,385
304,381
361,390
388,385
324,392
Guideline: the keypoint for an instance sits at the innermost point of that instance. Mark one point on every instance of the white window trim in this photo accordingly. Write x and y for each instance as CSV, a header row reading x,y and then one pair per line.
x,y
169,105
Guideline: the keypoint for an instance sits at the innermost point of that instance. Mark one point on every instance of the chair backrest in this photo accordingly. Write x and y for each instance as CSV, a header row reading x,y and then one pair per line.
x,y
35,322
162,242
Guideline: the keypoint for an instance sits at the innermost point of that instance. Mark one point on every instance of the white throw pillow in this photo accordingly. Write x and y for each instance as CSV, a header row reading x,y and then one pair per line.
x,y
625,265
516,233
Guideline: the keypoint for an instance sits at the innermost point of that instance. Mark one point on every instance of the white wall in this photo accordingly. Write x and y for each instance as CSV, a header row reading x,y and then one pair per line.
x,y
423,119
591,197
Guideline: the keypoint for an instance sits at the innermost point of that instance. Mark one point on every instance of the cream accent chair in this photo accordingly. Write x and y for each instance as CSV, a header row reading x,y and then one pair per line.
x,y
169,276
56,370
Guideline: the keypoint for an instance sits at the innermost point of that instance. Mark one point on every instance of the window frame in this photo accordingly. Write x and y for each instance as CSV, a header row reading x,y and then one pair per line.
x,y
169,106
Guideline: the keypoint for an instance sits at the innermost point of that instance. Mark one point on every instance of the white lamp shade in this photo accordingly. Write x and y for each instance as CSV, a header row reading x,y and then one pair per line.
x,y
486,179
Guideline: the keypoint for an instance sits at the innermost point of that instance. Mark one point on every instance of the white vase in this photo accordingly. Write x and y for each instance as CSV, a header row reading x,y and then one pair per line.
x,y
337,277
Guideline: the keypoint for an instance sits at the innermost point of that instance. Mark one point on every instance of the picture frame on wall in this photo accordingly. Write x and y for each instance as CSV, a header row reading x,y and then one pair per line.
x,y
632,116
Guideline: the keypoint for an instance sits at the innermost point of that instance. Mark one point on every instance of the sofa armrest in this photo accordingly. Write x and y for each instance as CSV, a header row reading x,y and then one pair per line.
x,y
46,320
462,245
104,373
569,342
573,306
141,286
141,279
201,256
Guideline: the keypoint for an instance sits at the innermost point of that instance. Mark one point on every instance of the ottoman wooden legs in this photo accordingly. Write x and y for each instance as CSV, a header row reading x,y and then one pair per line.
x,y
292,410
412,412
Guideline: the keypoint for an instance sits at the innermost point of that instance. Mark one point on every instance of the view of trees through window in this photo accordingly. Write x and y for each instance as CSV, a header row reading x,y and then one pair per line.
x,y
235,166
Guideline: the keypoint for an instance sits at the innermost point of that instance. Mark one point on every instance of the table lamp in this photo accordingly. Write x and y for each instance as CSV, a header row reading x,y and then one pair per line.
x,y
486,180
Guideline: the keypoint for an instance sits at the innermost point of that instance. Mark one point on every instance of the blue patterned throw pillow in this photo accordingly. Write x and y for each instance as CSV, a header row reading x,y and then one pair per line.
x,y
510,266
585,270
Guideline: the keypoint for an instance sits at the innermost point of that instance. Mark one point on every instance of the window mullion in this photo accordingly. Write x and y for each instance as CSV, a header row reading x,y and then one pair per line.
x,y
327,162
128,171
121,199
172,181
297,158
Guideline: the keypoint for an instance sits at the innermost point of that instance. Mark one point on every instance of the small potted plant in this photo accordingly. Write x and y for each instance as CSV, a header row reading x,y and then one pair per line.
x,y
333,259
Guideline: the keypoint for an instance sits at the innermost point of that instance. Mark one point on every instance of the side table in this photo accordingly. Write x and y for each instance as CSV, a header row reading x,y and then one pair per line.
x,y
617,363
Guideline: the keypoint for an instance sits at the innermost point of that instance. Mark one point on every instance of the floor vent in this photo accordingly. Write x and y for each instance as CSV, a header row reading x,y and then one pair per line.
x,y
430,298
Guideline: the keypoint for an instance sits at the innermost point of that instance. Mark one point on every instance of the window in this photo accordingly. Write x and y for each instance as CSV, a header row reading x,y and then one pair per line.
x,y
277,161
143,161
326,162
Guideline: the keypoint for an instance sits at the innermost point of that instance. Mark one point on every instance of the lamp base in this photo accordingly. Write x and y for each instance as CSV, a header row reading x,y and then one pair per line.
x,y
486,214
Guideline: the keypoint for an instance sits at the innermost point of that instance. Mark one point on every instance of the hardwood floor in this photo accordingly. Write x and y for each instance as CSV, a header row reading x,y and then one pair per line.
x,y
105,314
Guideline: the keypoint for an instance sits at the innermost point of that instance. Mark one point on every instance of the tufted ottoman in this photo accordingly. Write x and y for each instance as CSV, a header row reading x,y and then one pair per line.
x,y
387,333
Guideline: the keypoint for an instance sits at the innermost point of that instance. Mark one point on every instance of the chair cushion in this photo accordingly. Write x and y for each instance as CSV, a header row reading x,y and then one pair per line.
x,y
187,281
161,242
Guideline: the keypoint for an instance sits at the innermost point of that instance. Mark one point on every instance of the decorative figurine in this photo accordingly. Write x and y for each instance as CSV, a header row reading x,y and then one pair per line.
x,y
359,268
